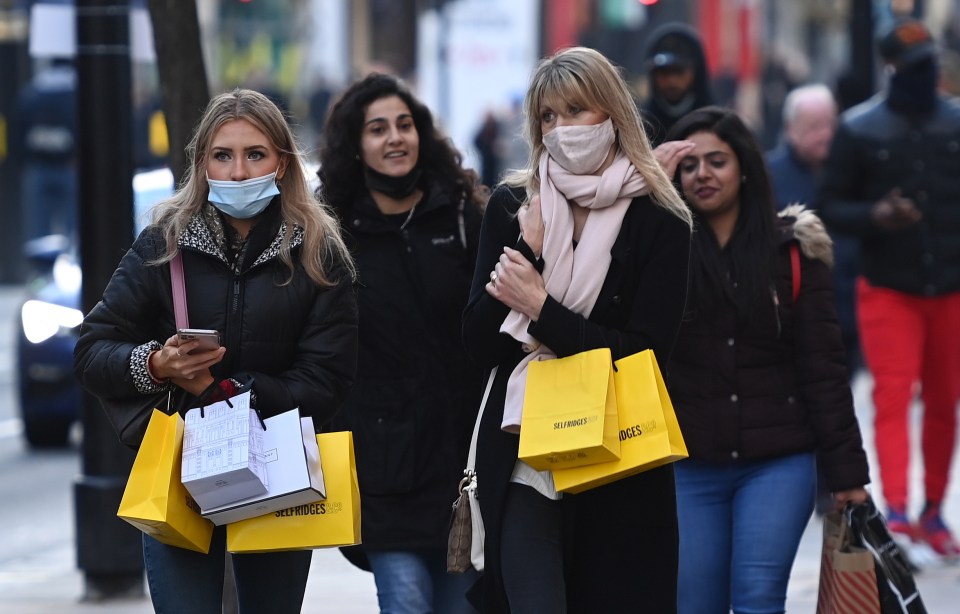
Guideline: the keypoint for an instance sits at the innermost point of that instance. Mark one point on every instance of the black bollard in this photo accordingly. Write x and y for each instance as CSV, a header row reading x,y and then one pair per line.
x,y
13,73
108,549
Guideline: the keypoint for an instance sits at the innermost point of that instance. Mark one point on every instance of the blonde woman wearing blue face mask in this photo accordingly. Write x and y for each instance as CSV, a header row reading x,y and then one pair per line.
x,y
586,248
265,265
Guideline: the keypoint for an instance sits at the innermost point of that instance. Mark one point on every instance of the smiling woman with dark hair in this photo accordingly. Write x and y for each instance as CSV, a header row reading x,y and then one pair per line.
x,y
412,216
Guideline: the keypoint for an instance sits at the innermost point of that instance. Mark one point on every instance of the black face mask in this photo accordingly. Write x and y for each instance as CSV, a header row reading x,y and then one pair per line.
x,y
913,89
394,187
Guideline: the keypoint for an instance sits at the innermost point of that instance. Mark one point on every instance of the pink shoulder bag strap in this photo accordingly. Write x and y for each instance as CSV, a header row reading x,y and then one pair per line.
x,y
179,292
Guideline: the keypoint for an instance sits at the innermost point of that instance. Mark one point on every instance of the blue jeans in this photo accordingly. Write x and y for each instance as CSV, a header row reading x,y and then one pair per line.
x,y
740,527
187,582
417,582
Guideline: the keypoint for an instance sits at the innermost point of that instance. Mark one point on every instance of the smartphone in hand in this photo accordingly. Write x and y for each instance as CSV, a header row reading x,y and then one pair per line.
x,y
209,339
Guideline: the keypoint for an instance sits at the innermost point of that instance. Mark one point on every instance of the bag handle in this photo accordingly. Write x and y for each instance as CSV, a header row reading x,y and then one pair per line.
x,y
472,453
179,291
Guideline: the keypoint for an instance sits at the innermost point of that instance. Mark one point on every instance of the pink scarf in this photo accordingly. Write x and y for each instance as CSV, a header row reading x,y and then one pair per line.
x,y
573,277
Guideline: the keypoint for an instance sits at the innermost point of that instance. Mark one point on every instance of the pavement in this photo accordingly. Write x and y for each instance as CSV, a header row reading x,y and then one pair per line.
x,y
50,583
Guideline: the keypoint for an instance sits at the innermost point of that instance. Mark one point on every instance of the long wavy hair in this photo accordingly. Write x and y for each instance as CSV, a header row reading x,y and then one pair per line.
x,y
324,248
586,78
752,250
341,164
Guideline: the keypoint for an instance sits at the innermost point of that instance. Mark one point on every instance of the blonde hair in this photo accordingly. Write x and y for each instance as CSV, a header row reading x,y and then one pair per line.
x,y
586,78
323,247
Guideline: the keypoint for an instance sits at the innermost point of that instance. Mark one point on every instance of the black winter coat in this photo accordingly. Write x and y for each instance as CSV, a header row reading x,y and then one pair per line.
x,y
775,384
297,341
624,534
412,408
875,150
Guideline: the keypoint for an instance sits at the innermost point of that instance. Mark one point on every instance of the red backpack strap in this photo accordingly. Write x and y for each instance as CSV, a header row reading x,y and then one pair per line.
x,y
795,266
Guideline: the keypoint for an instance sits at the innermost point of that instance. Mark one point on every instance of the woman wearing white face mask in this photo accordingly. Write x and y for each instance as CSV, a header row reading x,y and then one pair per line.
x,y
265,265
585,249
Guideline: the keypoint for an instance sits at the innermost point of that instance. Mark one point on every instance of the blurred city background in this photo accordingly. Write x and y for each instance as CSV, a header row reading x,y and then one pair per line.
x,y
129,78
468,59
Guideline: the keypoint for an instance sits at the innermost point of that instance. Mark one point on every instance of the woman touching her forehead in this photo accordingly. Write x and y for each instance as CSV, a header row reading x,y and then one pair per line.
x,y
759,379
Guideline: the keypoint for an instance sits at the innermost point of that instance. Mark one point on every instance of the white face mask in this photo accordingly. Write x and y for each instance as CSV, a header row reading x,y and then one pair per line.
x,y
243,199
580,149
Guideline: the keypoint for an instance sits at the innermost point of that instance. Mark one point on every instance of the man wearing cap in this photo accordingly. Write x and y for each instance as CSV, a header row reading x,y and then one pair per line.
x,y
679,82
892,179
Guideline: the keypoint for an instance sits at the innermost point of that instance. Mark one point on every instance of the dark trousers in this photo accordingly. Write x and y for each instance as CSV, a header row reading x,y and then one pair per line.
x,y
187,582
613,549
531,552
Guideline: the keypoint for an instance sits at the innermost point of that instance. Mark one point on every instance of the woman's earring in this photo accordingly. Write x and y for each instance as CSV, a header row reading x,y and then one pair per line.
x,y
743,178
357,156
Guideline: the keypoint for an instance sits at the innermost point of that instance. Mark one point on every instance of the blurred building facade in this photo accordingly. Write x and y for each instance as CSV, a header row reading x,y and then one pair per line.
x,y
471,57
756,49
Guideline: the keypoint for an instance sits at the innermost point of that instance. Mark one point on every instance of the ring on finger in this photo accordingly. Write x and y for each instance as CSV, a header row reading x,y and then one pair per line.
x,y
493,276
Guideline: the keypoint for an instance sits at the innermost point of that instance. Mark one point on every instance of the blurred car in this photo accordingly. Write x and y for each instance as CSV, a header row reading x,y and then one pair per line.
x,y
50,318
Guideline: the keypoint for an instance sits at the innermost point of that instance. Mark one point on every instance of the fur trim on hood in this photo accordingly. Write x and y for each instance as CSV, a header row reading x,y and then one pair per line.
x,y
810,232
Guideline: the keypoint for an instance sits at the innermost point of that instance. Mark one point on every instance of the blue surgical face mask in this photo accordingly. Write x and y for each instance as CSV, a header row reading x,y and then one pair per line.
x,y
243,199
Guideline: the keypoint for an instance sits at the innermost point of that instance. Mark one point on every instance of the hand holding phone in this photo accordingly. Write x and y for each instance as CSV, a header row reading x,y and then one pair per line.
x,y
209,339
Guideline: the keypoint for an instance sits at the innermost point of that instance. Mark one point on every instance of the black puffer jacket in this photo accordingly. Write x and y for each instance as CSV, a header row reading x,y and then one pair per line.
x,y
875,150
775,384
412,408
297,341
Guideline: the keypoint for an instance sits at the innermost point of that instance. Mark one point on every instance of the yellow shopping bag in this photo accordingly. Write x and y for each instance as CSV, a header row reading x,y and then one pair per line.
x,y
570,412
649,433
335,521
154,500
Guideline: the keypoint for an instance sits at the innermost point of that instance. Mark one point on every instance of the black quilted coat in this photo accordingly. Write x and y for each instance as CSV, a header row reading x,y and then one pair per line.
x,y
774,384
298,341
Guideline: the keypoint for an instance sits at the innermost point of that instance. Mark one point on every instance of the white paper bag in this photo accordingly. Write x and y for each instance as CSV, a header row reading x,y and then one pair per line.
x,y
222,453
294,471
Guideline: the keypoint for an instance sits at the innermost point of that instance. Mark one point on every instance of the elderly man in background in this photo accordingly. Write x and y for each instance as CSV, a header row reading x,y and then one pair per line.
x,y
809,123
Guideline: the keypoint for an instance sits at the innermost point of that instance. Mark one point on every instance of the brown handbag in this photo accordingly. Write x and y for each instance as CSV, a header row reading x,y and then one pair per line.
x,y
461,532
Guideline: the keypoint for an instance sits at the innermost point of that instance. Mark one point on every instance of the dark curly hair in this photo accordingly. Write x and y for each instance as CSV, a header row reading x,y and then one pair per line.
x,y
341,168
752,248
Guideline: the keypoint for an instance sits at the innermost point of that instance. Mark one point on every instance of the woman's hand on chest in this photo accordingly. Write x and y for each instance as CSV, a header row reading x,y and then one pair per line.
x,y
517,284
